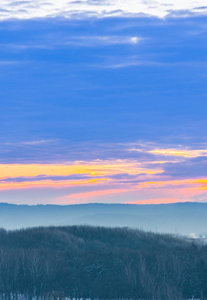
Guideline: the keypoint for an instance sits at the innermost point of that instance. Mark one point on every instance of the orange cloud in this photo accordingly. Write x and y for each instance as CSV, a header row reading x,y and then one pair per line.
x,y
99,174
96,171
200,182
186,153
167,195
47,183
177,152
95,168
74,198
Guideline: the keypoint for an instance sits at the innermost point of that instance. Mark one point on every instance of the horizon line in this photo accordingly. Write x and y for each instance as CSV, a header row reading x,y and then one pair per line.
x,y
102,203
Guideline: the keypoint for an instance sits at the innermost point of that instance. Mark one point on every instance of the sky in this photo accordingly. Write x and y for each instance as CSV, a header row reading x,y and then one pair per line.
x,y
103,101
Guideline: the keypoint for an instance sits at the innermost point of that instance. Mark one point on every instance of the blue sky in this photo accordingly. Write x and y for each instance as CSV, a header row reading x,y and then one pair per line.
x,y
99,87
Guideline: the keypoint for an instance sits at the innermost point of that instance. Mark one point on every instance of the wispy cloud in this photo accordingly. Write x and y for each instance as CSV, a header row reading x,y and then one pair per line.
x,y
152,174
136,61
49,43
68,9
8,62
40,184
171,152
30,143
183,182
94,168
177,152
127,63
86,197
103,40
34,143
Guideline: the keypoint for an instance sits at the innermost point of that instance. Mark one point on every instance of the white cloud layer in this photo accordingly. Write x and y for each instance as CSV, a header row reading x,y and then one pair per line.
x,y
28,9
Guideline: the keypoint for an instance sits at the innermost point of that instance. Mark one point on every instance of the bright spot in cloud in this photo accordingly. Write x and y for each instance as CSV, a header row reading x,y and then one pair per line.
x,y
134,40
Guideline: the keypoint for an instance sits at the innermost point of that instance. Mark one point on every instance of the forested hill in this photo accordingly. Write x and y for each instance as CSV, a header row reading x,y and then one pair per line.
x,y
98,262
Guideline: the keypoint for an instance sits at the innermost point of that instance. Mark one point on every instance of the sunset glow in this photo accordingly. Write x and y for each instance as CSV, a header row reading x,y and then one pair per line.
x,y
115,179
103,102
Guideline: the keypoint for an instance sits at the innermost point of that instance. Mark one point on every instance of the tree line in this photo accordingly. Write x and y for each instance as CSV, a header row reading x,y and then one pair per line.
x,y
103,263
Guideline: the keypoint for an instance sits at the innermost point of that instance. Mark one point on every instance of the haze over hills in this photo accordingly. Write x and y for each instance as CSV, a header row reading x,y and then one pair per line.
x,y
182,218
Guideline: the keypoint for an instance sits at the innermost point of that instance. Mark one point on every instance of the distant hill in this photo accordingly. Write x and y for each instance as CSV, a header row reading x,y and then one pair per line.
x,y
182,218
100,263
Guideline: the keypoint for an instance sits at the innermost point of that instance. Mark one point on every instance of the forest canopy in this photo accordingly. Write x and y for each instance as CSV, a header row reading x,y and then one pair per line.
x,y
99,262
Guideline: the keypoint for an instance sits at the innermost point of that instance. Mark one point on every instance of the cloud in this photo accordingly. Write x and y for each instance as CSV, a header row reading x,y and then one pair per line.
x,y
80,9
188,168
27,176
49,43
103,40
40,184
35,143
200,182
181,151
30,143
153,172
86,197
8,62
158,201
133,61
178,152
